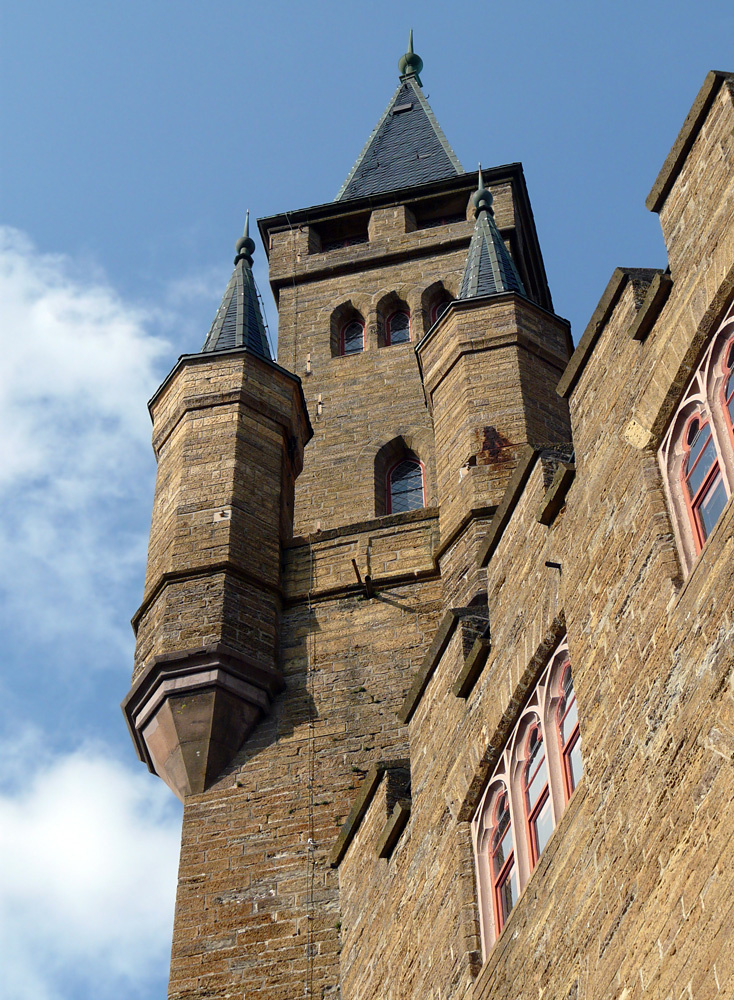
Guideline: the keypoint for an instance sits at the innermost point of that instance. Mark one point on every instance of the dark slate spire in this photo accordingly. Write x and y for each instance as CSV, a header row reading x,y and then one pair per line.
x,y
239,322
489,267
407,146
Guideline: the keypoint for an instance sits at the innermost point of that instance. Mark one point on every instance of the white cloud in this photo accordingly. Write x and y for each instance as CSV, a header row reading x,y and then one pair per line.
x,y
78,366
88,855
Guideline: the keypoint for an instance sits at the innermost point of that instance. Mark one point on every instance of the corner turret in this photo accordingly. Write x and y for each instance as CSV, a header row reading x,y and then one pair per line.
x,y
229,428
490,366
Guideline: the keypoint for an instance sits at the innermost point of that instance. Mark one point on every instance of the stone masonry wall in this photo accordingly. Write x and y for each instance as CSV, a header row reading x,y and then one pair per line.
x,y
632,896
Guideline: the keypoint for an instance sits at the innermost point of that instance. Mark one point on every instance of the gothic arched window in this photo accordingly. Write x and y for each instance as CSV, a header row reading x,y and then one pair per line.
x,y
728,386
438,310
398,328
536,793
405,489
567,719
535,775
697,453
704,487
502,860
352,337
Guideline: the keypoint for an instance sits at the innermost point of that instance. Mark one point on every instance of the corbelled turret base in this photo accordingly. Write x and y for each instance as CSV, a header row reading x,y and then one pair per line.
x,y
190,713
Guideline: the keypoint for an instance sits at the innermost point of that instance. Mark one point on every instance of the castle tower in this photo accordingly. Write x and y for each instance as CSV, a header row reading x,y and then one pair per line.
x,y
272,671
229,427
490,365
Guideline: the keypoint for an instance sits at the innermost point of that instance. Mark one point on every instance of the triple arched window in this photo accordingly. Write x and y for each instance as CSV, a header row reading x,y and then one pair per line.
x,y
697,452
535,776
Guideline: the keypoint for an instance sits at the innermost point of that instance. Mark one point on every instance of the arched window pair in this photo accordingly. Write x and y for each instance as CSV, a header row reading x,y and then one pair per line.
x,y
536,775
397,331
697,453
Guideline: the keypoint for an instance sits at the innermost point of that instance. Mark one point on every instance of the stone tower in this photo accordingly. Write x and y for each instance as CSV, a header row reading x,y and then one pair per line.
x,y
386,592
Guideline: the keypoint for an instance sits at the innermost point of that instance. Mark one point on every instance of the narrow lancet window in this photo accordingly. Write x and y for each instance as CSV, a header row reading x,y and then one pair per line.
x,y
405,487
352,337
504,870
398,328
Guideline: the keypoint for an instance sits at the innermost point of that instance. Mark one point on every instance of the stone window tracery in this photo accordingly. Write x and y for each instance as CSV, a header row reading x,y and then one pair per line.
x,y
536,774
697,453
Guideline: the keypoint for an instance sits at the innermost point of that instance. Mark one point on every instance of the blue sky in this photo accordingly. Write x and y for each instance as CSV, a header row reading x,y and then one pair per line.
x,y
133,140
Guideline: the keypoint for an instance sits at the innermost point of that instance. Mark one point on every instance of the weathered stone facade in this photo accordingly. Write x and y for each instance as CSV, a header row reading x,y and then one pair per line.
x,y
383,660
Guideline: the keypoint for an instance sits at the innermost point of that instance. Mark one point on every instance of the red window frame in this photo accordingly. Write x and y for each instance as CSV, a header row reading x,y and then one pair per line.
x,y
388,327
564,707
501,877
694,500
441,305
342,339
728,373
388,484
532,812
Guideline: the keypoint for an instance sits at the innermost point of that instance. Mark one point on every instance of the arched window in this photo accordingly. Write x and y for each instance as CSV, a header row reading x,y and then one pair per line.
x,y
536,794
536,773
697,452
438,309
398,328
352,337
505,884
405,487
728,387
569,735
704,488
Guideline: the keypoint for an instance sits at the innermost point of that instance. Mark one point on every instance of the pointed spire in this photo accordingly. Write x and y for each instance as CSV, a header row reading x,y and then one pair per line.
x,y
239,321
407,147
410,64
489,268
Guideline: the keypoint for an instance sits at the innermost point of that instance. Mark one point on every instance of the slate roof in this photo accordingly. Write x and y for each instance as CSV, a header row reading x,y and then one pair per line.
x,y
489,267
239,322
407,147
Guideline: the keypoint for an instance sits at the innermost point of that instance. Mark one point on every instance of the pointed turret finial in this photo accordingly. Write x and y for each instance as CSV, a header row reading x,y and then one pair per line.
x,y
410,64
245,247
482,198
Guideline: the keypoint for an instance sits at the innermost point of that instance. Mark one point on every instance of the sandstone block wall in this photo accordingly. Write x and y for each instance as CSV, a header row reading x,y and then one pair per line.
x,y
632,897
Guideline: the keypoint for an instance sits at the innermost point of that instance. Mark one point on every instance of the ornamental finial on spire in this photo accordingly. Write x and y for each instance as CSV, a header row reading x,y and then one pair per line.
x,y
245,247
410,64
482,198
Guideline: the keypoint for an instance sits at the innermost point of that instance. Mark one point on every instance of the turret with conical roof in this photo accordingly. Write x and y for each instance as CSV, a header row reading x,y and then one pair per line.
x,y
490,365
489,267
229,428
239,321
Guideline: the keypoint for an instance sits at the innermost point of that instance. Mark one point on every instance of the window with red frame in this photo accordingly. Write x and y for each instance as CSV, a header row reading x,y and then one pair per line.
x,y
536,773
504,870
538,811
729,383
405,487
438,310
705,492
569,734
398,328
696,454
352,337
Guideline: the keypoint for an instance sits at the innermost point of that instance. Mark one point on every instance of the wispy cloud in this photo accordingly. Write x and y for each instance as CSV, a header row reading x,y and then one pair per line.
x,y
78,366
88,855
